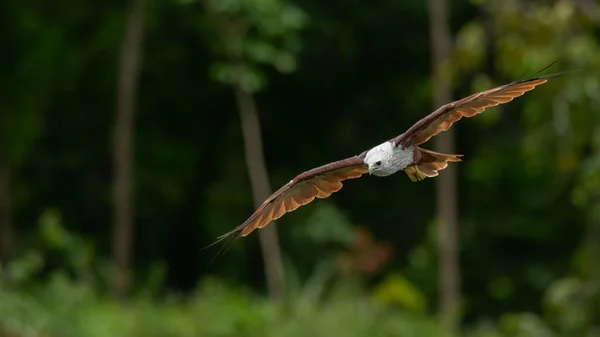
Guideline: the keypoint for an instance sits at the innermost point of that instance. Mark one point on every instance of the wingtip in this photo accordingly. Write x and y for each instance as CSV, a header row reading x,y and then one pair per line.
x,y
553,75
535,76
221,238
229,238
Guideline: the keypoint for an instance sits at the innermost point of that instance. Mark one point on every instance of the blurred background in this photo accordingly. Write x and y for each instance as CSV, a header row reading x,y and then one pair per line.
x,y
133,134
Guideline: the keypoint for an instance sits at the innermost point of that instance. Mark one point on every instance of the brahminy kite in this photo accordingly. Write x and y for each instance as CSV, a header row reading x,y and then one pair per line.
x,y
401,153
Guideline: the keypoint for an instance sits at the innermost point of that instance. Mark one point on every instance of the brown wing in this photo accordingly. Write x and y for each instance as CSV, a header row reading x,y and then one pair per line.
x,y
320,182
443,118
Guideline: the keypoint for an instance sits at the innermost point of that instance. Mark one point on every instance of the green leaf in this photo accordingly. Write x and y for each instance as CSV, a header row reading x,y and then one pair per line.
x,y
395,289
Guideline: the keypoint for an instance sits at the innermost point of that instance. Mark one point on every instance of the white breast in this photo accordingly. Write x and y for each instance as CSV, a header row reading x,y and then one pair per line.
x,y
393,159
403,157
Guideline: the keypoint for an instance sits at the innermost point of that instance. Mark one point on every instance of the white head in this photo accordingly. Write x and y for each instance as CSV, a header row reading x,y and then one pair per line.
x,y
380,160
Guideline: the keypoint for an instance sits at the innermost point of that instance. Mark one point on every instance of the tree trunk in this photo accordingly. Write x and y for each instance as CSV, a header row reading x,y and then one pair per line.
x,y
447,193
261,189
123,153
6,228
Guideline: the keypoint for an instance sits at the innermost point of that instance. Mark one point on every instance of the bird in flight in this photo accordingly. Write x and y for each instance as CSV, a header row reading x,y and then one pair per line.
x,y
401,153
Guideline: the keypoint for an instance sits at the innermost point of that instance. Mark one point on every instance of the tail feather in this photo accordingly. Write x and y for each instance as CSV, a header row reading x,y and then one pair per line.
x,y
429,164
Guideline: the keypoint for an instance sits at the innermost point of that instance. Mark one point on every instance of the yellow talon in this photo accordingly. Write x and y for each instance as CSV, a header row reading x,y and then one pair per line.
x,y
414,174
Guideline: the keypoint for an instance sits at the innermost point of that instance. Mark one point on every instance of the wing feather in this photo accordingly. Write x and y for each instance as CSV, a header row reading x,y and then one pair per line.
x,y
320,183
444,117
322,187
279,210
335,185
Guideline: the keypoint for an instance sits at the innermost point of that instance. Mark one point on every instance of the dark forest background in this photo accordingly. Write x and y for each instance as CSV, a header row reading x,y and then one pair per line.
x,y
133,134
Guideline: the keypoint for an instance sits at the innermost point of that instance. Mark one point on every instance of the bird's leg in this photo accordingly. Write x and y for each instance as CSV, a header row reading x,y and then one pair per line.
x,y
414,174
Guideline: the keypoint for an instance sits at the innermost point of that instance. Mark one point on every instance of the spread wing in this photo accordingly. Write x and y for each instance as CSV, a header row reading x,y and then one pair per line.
x,y
319,182
443,118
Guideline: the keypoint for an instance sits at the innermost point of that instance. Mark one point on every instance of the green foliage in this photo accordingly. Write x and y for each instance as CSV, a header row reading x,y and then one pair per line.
x,y
555,142
514,325
25,268
324,225
251,33
396,289
66,305
70,309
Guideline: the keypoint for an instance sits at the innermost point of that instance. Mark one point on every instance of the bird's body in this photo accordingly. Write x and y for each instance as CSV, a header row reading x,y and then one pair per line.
x,y
397,154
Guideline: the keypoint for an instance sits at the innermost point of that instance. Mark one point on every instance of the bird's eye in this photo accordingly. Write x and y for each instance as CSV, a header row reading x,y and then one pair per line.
x,y
378,163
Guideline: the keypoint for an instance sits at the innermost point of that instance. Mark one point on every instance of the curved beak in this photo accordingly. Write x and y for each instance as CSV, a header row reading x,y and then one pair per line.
x,y
371,168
